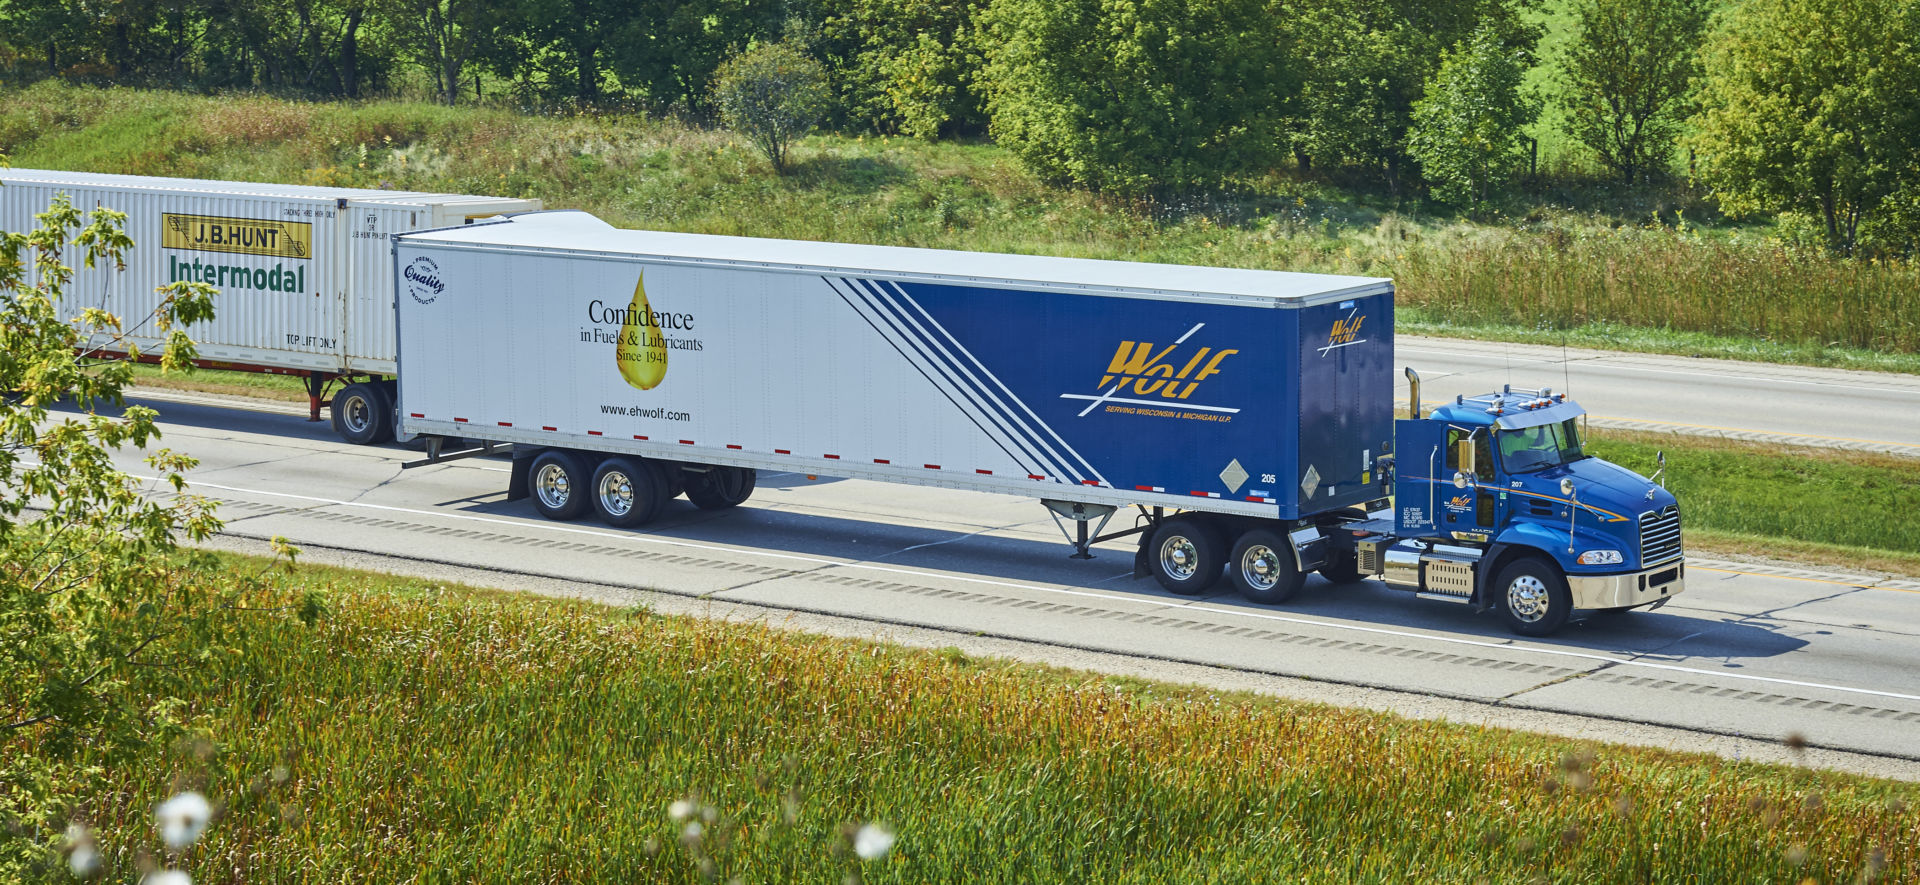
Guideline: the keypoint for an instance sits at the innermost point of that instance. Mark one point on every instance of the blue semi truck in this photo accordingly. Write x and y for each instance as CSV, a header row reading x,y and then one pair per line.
x,y
1244,419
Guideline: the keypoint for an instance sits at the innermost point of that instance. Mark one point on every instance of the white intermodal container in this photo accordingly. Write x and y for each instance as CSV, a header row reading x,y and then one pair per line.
x,y
304,273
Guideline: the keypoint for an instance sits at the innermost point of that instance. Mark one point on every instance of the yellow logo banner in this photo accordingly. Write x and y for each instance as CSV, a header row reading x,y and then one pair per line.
x,y
245,236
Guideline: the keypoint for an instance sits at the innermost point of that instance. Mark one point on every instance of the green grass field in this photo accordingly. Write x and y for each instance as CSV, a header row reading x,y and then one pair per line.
x,y
422,732
1820,496
1657,270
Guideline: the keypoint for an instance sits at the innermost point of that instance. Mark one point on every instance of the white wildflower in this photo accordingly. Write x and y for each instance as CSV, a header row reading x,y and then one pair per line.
x,y
82,858
872,842
167,877
692,832
681,809
84,861
182,819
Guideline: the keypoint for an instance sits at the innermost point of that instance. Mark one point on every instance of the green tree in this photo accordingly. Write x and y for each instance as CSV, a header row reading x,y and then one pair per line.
x,y
773,95
1137,96
442,37
91,588
1466,130
906,66
1628,73
1363,64
1811,106
670,49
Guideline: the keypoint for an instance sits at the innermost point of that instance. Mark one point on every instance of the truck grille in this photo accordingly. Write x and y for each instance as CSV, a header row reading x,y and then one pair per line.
x,y
1659,535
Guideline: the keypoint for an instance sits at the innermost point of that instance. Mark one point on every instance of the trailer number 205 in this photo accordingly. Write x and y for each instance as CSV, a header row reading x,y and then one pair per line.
x,y
1269,478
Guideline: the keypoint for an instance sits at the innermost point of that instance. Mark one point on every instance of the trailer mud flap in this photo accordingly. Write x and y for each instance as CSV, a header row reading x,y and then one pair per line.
x,y
517,481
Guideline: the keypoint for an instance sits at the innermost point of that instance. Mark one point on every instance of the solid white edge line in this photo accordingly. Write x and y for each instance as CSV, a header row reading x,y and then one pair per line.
x,y
1159,603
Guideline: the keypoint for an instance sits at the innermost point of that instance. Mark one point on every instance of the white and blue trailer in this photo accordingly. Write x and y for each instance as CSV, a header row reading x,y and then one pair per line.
x,y
1246,415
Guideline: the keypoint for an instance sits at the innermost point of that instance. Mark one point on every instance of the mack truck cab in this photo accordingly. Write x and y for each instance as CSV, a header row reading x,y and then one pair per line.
x,y
1497,504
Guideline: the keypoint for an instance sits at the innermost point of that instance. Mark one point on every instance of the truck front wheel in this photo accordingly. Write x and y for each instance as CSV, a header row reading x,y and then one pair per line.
x,y
1187,556
558,481
628,492
1263,568
1533,596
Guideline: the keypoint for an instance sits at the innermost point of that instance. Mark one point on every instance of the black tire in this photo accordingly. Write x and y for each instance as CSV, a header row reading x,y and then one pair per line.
x,y
721,487
363,414
1186,556
627,492
1263,568
1532,596
558,482
1342,567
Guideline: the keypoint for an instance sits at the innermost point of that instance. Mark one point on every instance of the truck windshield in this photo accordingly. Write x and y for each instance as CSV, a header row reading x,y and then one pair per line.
x,y
1531,449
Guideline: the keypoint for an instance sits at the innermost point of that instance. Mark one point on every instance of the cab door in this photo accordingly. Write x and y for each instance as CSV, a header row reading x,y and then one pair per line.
x,y
1421,478
1480,507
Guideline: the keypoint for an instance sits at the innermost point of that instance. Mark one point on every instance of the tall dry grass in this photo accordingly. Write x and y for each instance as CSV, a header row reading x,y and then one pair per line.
x,y
425,733
1665,280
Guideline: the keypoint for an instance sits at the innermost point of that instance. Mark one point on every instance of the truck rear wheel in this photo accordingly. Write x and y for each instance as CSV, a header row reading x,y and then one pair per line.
x,y
1263,568
721,487
1342,567
1533,596
628,492
1186,555
362,414
558,482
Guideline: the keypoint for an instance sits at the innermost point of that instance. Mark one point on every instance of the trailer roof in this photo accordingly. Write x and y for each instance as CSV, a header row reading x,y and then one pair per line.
x,y
580,233
228,188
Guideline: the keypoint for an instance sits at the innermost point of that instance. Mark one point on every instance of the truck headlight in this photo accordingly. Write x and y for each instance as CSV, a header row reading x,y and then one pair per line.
x,y
1601,557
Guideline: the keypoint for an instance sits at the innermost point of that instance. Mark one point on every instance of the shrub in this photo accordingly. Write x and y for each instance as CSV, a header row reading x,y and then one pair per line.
x,y
773,95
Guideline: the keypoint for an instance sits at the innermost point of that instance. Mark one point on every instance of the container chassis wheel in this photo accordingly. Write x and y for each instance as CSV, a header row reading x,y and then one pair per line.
x,y
363,414
721,487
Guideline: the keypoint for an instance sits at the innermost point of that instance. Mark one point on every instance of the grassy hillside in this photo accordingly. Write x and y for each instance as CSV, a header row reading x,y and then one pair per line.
x,y
1644,276
483,737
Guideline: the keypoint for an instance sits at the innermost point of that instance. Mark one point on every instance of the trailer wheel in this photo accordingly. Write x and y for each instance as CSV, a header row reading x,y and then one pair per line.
x,y
721,487
1186,556
1263,568
627,492
559,483
1533,596
362,414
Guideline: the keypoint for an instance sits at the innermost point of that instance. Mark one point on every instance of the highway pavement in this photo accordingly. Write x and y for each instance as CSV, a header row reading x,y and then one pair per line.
x,y
1746,657
1866,411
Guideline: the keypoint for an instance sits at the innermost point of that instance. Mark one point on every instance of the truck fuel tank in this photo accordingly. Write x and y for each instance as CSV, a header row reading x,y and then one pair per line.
x,y
1437,572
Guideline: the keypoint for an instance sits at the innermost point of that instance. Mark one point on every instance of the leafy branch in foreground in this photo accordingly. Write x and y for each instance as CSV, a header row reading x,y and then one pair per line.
x,y
99,605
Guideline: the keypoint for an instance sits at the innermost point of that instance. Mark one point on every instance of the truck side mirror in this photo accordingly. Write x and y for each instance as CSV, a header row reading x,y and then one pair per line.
x,y
1463,455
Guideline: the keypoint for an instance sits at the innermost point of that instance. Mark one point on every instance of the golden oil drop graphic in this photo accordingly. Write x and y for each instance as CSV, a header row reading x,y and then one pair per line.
x,y
641,351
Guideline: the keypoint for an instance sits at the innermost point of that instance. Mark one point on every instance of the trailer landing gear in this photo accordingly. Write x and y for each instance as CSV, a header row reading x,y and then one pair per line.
x,y
1082,538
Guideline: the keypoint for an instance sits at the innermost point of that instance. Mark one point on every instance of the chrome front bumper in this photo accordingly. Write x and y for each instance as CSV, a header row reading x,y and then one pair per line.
x,y
1645,587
